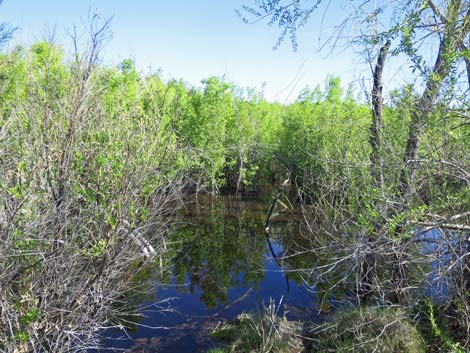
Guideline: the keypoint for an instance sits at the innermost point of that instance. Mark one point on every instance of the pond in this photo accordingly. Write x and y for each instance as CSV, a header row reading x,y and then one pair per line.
x,y
217,265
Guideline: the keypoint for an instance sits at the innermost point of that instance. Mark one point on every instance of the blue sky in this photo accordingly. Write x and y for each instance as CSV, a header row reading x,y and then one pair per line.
x,y
192,40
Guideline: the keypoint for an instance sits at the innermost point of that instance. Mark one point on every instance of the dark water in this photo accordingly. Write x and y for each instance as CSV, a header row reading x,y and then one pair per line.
x,y
217,265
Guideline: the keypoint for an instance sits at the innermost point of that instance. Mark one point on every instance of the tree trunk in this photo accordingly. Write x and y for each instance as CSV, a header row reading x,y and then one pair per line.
x,y
423,110
450,43
467,66
376,126
240,173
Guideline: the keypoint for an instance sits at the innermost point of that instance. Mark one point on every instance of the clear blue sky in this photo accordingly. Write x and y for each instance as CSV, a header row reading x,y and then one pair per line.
x,y
191,39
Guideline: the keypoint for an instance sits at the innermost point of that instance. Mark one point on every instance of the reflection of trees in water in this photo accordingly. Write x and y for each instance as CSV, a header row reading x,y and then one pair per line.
x,y
127,310
216,253
320,263
350,267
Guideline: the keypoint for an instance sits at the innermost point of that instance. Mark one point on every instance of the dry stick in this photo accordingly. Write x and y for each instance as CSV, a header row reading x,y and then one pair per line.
x,y
429,226
445,224
266,229
19,272
232,303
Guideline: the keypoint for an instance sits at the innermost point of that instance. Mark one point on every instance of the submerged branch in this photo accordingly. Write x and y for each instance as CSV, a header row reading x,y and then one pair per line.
x,y
267,227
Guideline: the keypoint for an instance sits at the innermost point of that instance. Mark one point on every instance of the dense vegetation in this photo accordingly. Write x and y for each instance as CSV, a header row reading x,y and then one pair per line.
x,y
94,161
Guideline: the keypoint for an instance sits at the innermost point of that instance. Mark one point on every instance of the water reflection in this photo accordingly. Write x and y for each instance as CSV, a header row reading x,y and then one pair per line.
x,y
216,253
216,266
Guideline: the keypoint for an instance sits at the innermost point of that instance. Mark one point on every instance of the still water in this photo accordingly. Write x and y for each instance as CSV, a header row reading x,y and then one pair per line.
x,y
217,265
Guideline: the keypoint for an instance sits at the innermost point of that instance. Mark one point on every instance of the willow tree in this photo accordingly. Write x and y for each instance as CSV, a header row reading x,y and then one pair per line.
x,y
433,35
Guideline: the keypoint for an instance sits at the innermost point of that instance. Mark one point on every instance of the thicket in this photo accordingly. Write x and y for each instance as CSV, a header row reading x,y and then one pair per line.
x,y
94,160
87,183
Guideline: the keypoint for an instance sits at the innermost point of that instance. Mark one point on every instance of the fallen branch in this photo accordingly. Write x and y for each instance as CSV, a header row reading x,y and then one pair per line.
x,y
267,227
429,226
145,247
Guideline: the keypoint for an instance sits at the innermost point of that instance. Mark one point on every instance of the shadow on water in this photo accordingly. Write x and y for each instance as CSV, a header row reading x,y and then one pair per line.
x,y
216,266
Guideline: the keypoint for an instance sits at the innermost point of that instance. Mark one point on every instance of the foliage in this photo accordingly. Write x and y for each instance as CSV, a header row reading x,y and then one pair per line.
x,y
453,347
93,158
79,181
217,350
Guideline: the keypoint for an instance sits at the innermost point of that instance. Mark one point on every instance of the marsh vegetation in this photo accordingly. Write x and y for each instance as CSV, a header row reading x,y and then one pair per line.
x,y
97,163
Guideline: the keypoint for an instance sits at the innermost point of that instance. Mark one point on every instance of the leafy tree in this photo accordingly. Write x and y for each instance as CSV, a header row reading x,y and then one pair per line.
x,y
410,27
407,174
